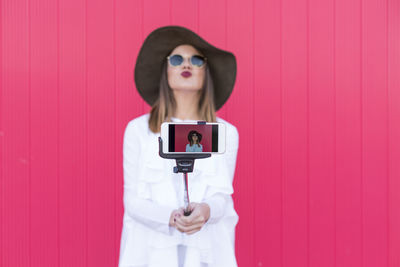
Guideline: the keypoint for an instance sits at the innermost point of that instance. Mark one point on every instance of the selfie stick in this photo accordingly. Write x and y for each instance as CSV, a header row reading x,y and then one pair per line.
x,y
184,164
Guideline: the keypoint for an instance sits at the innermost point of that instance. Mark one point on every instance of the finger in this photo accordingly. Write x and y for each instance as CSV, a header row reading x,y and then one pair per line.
x,y
179,224
192,219
181,227
174,215
190,227
185,220
195,217
194,231
193,205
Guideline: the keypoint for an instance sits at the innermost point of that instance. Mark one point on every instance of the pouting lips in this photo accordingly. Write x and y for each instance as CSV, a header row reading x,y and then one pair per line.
x,y
186,74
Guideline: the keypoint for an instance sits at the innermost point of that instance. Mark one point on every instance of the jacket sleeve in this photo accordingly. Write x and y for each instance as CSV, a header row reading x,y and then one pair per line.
x,y
218,200
143,211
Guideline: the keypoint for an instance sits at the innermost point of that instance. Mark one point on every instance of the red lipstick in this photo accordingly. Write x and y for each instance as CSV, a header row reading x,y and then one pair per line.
x,y
186,74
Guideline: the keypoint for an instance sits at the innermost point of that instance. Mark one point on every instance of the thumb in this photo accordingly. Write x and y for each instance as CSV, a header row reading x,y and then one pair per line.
x,y
192,205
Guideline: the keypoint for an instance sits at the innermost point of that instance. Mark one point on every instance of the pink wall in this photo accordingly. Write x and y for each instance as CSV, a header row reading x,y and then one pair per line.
x,y
316,103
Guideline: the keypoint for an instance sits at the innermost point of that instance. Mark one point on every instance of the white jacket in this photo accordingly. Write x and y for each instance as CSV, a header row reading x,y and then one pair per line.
x,y
152,191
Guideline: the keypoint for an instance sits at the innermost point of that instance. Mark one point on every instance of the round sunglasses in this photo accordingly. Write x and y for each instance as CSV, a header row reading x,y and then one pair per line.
x,y
195,60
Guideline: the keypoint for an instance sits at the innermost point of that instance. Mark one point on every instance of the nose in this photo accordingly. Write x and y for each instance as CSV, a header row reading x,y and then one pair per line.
x,y
186,63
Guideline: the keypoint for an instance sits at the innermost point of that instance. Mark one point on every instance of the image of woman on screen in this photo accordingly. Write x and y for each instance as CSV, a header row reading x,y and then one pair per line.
x,y
194,145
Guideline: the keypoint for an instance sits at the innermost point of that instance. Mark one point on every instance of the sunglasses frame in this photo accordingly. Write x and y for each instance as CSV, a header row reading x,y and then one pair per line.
x,y
204,58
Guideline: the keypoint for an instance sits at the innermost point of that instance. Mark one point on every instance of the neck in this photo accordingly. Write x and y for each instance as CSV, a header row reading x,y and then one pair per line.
x,y
187,103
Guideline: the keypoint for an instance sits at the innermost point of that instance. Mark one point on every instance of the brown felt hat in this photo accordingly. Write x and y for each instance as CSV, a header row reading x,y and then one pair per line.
x,y
159,44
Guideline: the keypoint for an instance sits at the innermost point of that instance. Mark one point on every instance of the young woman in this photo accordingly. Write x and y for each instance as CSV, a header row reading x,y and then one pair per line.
x,y
184,79
194,139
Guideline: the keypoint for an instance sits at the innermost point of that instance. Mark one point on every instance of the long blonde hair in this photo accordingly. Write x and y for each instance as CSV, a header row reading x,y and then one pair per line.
x,y
165,106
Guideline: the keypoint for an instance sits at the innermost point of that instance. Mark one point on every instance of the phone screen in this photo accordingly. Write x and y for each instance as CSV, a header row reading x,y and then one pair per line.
x,y
193,138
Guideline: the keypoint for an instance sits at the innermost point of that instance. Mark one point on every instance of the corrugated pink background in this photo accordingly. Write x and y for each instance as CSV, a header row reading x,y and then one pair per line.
x,y
316,103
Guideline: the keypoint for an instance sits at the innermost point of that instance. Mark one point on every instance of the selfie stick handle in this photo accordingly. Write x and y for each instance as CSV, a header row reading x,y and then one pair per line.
x,y
184,164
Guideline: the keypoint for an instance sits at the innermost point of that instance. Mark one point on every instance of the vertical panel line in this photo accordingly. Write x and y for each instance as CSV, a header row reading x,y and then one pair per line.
x,y
58,134
115,133
281,125
2,137
308,129
142,37
334,135
226,23
170,12
29,132
387,137
253,132
198,16
361,140
85,191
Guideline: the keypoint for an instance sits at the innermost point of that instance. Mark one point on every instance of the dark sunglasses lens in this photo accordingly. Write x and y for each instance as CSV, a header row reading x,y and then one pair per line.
x,y
197,61
176,60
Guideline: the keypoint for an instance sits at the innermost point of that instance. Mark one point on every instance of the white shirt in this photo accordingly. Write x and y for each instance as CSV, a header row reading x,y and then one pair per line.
x,y
152,191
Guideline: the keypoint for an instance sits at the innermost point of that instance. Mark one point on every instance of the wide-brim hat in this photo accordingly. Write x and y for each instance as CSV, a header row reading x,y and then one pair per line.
x,y
159,44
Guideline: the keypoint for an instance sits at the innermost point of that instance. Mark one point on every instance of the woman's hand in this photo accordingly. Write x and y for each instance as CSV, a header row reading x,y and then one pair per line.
x,y
174,215
195,221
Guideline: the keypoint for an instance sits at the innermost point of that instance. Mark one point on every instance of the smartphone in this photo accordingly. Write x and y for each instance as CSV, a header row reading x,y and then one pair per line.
x,y
192,137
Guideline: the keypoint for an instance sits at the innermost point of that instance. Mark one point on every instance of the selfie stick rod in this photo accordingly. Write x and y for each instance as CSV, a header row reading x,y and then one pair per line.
x,y
184,164
186,197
